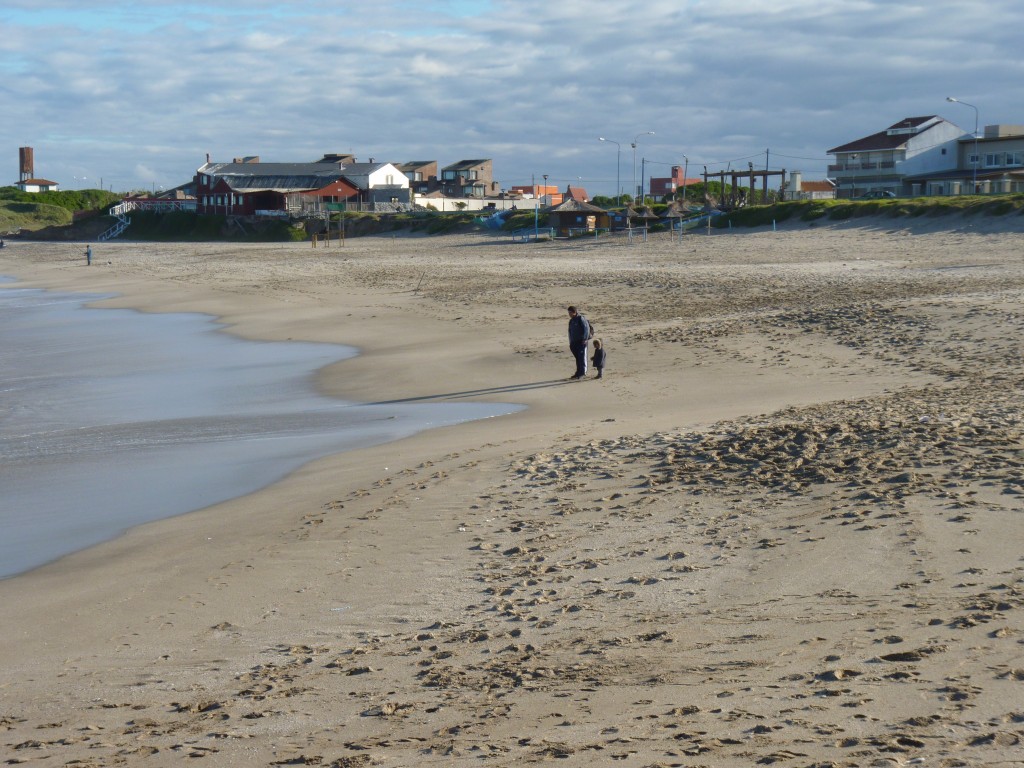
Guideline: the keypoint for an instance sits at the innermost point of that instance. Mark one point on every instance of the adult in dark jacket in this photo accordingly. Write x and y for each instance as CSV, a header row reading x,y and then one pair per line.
x,y
579,333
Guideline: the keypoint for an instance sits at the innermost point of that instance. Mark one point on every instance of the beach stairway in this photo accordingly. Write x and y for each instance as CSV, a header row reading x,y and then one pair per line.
x,y
120,212
122,209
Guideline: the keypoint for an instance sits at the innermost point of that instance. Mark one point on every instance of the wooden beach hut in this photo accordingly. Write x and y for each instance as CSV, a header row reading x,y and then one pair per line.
x,y
572,217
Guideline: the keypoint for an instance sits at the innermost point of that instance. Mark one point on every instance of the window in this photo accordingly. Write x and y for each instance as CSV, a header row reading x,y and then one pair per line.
x,y
993,159
1015,158
972,159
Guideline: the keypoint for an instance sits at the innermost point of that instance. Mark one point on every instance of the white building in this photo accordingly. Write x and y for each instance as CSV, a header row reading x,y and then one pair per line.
x,y
36,185
912,147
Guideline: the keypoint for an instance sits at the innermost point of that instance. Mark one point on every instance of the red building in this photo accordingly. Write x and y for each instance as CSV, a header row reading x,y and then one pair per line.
x,y
661,187
246,188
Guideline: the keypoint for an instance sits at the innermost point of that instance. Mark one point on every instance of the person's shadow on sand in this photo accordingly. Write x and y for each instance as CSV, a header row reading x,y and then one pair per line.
x,y
475,392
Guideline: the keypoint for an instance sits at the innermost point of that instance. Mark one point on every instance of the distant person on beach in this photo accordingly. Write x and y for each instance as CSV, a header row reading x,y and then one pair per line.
x,y
3,244
88,255
599,357
579,334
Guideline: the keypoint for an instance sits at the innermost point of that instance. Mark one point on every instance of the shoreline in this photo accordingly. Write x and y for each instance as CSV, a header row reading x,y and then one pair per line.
x,y
591,574
251,406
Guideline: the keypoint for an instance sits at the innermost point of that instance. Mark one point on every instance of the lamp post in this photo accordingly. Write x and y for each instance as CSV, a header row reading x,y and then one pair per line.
x,y
635,138
974,165
546,188
686,167
618,154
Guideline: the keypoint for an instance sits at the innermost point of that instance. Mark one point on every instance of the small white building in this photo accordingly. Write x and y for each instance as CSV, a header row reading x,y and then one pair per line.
x,y
36,185
379,182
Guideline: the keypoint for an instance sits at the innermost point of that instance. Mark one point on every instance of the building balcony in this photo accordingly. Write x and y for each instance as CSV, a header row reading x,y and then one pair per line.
x,y
858,166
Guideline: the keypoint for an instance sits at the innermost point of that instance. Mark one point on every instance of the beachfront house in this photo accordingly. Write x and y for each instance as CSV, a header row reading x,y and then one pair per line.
x,y
249,187
882,161
422,175
992,163
469,178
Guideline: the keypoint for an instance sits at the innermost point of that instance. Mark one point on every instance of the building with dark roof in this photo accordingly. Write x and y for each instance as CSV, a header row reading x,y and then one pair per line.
x,y
248,187
881,161
422,175
468,178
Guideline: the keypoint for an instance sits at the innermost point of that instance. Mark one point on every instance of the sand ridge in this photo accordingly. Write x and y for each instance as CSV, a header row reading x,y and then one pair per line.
x,y
784,530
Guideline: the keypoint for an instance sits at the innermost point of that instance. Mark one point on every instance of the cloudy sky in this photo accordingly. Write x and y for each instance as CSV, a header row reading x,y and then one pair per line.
x,y
138,93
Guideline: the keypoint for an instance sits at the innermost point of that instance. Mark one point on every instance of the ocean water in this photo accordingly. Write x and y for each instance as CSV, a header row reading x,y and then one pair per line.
x,y
110,418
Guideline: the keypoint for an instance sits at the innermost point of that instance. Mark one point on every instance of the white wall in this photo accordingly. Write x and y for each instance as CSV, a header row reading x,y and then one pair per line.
x,y
450,204
379,178
924,151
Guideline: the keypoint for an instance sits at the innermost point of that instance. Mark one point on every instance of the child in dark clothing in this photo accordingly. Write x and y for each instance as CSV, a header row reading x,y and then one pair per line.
x,y
598,357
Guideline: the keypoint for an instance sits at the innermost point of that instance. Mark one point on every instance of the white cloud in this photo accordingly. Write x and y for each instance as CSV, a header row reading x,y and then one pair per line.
x,y
530,84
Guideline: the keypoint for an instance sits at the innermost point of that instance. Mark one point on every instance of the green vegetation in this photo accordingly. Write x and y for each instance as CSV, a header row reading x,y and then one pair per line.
x,y
523,220
31,216
429,222
34,211
186,226
842,210
50,221
75,200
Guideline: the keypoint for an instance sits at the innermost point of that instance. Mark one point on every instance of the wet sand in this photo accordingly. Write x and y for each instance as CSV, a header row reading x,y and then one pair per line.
x,y
784,528
111,418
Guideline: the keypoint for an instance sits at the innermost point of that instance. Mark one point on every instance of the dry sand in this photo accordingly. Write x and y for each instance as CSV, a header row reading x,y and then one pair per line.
x,y
785,528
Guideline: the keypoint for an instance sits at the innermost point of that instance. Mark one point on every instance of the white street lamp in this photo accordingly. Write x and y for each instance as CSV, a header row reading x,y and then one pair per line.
x,y
635,138
974,165
618,154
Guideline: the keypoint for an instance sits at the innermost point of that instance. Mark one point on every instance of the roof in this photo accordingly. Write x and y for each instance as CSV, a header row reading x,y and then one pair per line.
x,y
817,186
270,169
285,177
465,164
577,193
38,182
279,183
893,137
575,206
361,169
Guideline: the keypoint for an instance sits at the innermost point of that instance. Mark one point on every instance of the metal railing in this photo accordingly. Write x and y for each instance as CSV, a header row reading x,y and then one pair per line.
x,y
866,166
122,209
120,212
531,233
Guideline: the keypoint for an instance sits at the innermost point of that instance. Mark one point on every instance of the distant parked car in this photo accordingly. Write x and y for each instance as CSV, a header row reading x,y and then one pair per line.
x,y
875,194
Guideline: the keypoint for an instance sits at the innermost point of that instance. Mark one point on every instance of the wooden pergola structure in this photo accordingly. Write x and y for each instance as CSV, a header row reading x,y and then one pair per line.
x,y
736,199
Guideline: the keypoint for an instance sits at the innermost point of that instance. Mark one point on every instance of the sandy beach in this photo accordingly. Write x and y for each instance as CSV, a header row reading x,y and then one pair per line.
x,y
784,529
